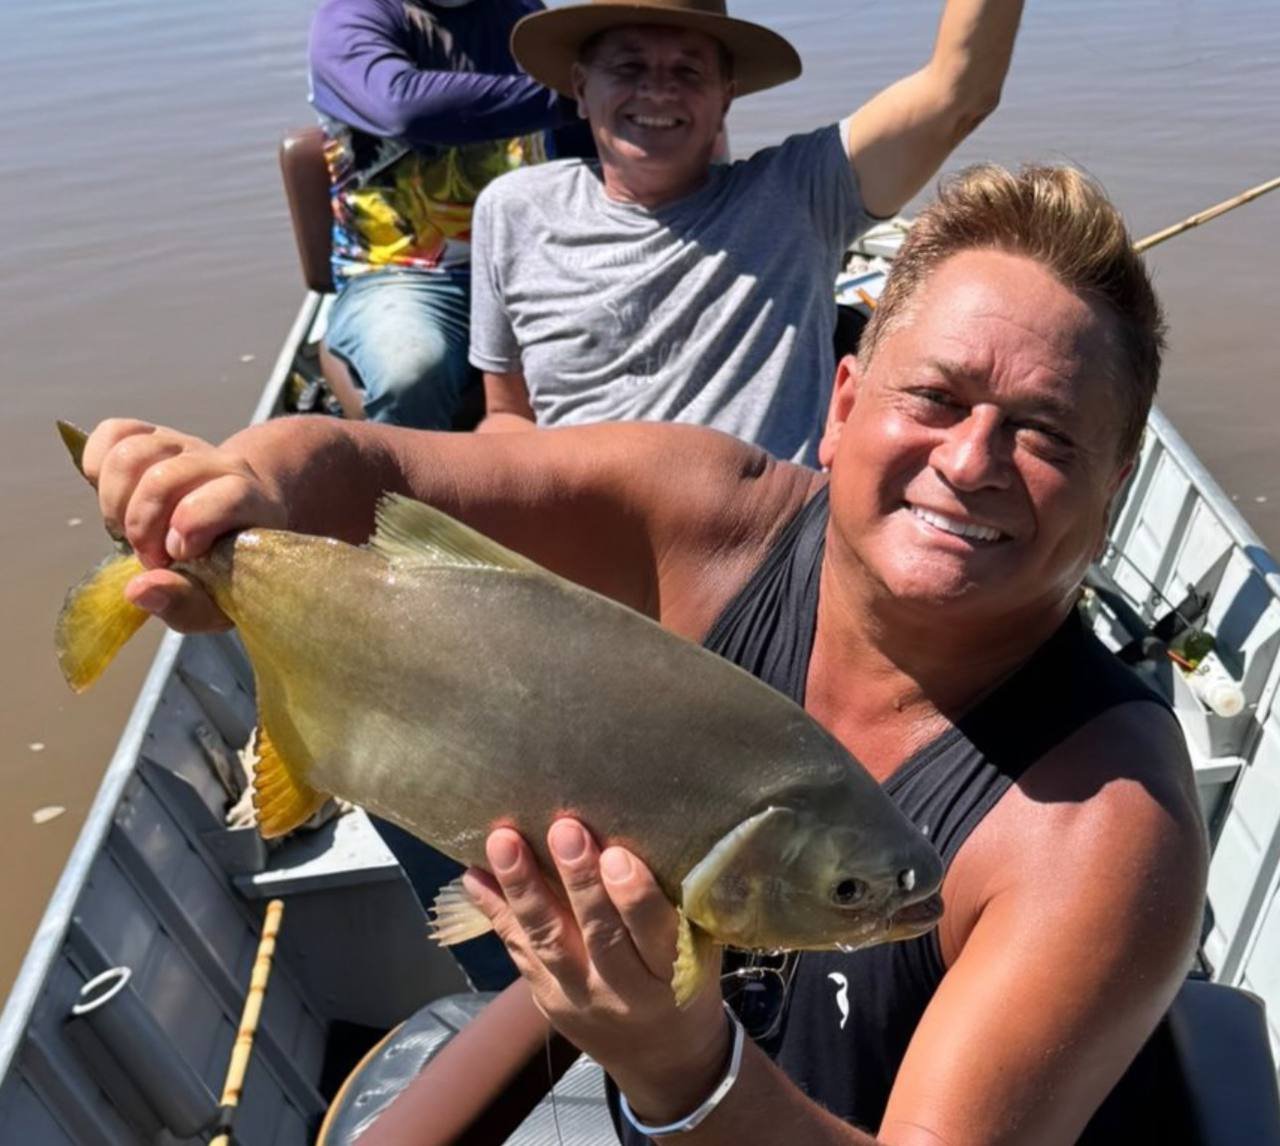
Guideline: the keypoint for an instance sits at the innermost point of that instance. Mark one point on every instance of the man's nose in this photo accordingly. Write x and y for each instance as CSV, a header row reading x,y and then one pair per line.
x,y
658,83
975,452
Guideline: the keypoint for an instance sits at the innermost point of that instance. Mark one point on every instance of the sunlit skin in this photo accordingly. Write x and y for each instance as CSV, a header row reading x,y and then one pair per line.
x,y
656,98
990,410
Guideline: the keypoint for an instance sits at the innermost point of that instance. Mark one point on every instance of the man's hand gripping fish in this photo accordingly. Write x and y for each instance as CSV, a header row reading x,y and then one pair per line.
x,y
452,686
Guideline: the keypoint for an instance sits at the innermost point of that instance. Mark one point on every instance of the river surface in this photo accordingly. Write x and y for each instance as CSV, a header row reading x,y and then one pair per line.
x,y
147,267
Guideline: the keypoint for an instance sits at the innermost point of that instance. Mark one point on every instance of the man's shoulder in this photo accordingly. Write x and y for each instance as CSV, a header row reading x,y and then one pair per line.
x,y
799,147
1119,795
690,470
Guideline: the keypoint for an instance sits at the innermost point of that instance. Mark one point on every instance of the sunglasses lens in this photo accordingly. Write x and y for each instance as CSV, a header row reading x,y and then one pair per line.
x,y
757,991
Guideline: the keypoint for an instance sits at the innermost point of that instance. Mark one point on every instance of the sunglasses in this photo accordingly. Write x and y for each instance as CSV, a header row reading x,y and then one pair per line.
x,y
757,985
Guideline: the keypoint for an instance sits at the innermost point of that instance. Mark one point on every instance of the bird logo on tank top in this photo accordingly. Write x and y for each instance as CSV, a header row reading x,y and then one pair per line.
x,y
842,995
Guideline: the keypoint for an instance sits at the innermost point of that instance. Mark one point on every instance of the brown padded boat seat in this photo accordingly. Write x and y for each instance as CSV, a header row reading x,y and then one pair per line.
x,y
306,187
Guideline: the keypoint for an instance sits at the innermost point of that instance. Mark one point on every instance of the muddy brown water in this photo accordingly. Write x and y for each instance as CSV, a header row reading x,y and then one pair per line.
x,y
146,267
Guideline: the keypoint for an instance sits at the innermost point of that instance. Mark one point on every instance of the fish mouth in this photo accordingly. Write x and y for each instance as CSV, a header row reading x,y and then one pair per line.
x,y
915,918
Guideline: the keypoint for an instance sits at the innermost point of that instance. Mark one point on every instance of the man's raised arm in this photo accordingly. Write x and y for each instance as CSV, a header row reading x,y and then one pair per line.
x,y
898,139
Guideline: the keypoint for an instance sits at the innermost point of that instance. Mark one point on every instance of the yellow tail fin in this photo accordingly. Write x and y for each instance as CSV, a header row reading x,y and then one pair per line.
x,y
96,621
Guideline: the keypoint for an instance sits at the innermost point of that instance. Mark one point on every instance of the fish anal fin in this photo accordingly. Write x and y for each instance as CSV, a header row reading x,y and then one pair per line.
x,y
697,960
284,800
454,918
409,531
96,621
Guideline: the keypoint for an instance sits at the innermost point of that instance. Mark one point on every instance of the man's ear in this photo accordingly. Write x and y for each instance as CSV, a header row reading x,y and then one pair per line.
x,y
844,393
1117,486
730,94
578,81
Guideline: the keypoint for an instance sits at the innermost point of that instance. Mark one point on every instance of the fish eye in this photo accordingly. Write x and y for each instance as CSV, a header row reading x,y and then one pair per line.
x,y
849,892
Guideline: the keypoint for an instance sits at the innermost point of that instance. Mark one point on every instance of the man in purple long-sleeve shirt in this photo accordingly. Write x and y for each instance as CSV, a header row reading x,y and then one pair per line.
x,y
423,105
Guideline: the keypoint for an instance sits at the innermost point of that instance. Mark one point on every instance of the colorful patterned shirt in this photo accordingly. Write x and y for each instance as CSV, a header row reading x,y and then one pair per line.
x,y
423,106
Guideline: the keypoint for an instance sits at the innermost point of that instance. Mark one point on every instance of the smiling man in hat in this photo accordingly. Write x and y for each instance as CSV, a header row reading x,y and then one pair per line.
x,y
659,285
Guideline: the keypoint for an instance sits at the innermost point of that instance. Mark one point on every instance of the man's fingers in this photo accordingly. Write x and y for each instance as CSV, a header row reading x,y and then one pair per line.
x,y
104,438
546,927
177,601
121,470
486,894
223,498
170,494
608,943
643,908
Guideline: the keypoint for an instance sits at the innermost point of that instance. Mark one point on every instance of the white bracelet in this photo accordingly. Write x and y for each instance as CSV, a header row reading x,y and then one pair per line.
x,y
692,1121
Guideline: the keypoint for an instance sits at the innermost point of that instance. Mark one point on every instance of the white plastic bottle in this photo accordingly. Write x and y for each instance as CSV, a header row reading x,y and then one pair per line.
x,y
1216,689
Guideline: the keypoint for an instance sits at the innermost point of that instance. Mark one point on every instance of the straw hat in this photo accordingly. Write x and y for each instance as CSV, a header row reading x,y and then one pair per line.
x,y
546,44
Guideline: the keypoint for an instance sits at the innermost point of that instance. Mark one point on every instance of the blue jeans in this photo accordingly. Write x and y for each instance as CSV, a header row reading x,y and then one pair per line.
x,y
484,961
404,335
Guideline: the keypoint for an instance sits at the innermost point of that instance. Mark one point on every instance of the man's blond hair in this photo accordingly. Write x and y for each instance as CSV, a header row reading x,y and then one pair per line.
x,y
1062,219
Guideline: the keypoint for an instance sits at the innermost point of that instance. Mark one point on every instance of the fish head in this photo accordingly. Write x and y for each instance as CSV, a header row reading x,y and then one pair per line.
x,y
800,878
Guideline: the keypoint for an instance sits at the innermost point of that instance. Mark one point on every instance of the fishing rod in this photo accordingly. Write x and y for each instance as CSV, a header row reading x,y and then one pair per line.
x,y
243,1048
1208,213
1158,237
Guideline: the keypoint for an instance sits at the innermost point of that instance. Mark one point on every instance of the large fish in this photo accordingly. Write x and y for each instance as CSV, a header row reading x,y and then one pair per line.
x,y
452,686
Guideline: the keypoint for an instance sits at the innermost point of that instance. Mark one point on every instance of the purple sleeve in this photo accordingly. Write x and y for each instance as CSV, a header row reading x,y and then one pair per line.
x,y
363,75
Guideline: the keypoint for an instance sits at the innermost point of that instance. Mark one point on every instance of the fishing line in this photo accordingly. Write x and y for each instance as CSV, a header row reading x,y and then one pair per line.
x,y
551,1078
1114,550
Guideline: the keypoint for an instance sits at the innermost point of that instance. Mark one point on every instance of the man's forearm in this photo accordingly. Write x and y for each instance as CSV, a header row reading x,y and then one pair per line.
x,y
505,422
362,75
973,51
898,139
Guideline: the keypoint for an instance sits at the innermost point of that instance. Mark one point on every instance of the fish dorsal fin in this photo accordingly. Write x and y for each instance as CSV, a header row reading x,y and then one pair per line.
x,y
413,533
282,797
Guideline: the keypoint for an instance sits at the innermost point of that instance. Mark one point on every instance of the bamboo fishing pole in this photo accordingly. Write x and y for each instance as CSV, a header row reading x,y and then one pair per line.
x,y
1207,214
1169,232
243,1048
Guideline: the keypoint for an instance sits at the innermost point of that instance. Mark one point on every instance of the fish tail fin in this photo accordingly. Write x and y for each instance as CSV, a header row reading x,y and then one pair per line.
x,y
697,960
74,438
283,798
454,918
96,621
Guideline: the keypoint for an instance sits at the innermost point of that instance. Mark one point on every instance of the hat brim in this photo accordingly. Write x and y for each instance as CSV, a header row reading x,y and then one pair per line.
x,y
546,44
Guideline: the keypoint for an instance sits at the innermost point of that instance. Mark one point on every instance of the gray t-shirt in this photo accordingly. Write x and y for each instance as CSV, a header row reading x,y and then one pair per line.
x,y
716,309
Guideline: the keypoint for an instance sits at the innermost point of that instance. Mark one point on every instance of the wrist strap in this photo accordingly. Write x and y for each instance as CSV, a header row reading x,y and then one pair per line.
x,y
693,1120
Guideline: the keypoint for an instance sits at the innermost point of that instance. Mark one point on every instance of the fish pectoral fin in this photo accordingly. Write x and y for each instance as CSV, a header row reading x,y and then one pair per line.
x,y
454,918
411,532
697,960
283,799
96,621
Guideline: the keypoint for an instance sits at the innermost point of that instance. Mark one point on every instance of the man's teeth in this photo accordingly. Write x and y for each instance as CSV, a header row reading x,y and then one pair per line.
x,y
654,121
959,528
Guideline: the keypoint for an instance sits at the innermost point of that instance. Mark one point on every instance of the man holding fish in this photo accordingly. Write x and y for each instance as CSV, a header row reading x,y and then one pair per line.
x,y
920,603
